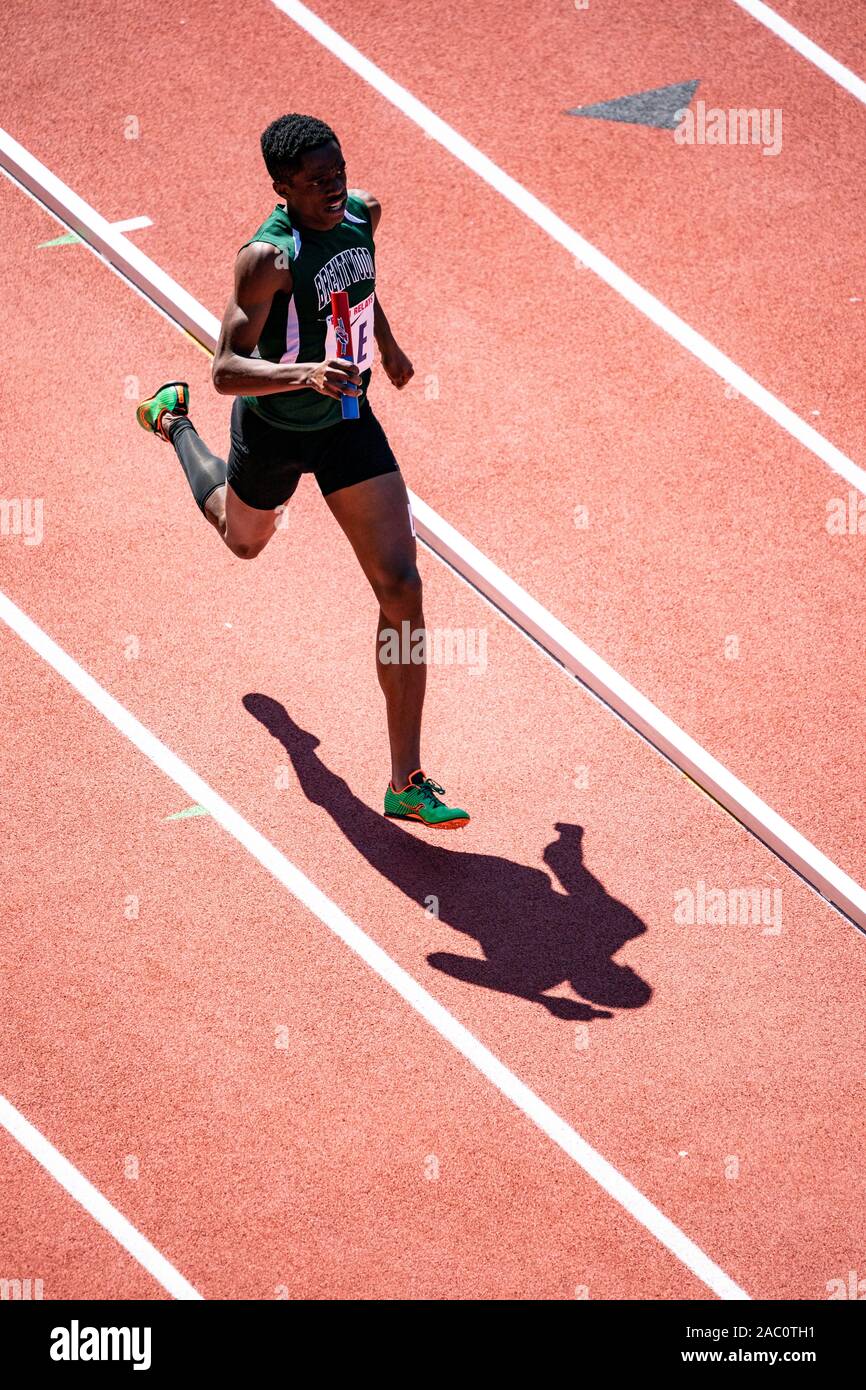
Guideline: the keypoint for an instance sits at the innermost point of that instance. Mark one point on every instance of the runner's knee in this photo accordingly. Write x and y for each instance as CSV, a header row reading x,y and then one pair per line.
x,y
246,550
399,591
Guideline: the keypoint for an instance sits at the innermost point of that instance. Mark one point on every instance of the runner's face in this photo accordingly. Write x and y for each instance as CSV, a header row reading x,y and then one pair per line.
x,y
316,194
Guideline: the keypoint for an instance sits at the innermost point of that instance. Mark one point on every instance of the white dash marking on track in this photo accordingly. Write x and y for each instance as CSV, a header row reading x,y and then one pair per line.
x,y
132,224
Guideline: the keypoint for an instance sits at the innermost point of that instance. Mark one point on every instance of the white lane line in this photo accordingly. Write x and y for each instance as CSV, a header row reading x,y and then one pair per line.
x,y
593,1164
628,702
99,1207
149,280
576,245
805,47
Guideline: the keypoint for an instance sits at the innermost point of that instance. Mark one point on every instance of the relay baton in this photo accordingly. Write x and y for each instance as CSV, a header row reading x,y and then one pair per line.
x,y
343,334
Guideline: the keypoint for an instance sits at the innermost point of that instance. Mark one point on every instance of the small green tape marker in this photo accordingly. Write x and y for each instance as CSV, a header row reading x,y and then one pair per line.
x,y
68,240
190,811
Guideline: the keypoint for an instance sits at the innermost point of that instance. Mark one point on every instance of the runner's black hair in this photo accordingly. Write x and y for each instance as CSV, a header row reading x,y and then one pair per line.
x,y
287,139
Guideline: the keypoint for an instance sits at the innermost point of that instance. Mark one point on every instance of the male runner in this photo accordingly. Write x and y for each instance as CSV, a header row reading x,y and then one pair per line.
x,y
277,356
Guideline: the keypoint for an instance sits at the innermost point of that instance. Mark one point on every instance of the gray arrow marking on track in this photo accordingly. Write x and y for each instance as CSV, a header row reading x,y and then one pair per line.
x,y
657,107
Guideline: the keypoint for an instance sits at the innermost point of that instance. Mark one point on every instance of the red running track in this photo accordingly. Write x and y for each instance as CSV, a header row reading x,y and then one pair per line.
x,y
707,524
159,1040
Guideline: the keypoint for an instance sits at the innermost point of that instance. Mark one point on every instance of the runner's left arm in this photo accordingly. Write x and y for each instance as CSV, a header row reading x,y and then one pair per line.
x,y
397,366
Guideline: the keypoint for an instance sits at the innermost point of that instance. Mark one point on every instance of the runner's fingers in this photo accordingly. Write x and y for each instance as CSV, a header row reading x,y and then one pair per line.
x,y
341,383
343,368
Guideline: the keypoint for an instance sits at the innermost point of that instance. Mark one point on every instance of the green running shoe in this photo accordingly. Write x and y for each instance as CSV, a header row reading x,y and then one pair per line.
x,y
418,801
173,397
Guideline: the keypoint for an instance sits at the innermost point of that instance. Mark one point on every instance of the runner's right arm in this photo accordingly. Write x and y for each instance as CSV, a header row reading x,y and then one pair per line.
x,y
236,372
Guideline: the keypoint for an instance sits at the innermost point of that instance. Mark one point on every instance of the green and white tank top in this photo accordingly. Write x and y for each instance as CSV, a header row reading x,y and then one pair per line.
x,y
298,327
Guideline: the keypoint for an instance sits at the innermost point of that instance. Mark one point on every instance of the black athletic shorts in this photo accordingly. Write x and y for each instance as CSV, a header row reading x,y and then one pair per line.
x,y
265,462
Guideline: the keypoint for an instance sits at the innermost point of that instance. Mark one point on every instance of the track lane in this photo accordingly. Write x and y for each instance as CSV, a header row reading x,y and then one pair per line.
x,y
701,513
337,1164
761,254
300,641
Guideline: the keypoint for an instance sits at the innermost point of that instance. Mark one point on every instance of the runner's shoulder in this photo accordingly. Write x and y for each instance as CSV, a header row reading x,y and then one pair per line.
x,y
371,203
261,266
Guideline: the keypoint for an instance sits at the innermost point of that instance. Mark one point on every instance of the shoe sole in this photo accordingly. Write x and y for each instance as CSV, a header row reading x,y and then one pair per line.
x,y
430,825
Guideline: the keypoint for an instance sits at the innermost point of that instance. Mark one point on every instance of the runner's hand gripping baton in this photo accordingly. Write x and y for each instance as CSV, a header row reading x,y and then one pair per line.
x,y
343,334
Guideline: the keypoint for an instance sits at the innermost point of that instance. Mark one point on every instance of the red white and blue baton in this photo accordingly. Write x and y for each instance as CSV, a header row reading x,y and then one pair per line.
x,y
343,334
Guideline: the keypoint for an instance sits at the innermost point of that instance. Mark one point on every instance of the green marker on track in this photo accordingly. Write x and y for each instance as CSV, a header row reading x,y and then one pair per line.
x,y
68,240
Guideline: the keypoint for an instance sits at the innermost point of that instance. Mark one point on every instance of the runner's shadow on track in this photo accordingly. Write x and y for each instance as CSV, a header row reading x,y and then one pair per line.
x,y
533,936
